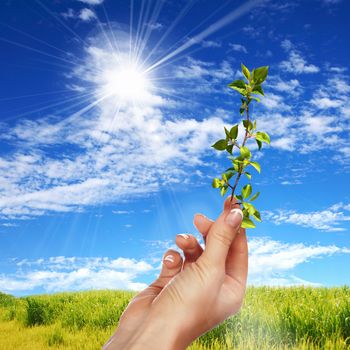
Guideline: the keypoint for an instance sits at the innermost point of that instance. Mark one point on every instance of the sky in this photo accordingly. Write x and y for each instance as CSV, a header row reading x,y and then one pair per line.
x,y
108,110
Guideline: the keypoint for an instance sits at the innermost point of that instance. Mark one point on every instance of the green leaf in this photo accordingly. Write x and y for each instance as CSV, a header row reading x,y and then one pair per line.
x,y
250,208
245,153
258,90
248,124
256,195
248,175
254,125
263,137
245,212
227,134
247,223
247,190
259,144
223,190
238,197
256,98
256,165
234,132
241,110
216,183
260,74
229,148
227,176
238,85
220,145
256,215
245,71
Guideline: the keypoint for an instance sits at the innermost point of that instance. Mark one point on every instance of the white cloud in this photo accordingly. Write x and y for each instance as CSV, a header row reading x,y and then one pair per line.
x,y
238,48
108,153
76,273
87,15
326,102
121,212
297,64
324,220
211,43
274,102
286,44
196,69
272,262
331,2
155,26
337,69
92,2
292,87
68,14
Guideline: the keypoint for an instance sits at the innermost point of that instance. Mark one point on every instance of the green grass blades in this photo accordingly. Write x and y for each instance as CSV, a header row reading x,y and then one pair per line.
x,y
271,318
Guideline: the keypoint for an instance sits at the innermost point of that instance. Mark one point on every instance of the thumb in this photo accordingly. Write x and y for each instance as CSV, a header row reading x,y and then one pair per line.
x,y
221,235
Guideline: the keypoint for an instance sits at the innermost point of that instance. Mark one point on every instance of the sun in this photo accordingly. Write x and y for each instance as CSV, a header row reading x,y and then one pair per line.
x,y
126,82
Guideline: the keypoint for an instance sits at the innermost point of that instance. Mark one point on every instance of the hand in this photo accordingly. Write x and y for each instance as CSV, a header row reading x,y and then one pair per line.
x,y
191,297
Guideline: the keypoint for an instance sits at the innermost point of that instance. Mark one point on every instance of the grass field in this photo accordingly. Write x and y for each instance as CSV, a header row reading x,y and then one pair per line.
x,y
271,318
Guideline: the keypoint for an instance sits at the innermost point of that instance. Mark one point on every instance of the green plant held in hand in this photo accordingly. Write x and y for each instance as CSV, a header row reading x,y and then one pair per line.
x,y
243,161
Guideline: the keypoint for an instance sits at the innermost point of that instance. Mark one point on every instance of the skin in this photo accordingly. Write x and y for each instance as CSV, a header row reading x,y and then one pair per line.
x,y
191,295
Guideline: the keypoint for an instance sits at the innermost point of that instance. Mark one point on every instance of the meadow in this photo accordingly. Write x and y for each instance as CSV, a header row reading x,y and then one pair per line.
x,y
271,318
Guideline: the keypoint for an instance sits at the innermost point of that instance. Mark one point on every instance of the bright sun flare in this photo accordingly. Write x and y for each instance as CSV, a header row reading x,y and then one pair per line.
x,y
127,83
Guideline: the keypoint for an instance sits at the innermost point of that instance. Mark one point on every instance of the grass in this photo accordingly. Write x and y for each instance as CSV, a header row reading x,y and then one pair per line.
x,y
271,318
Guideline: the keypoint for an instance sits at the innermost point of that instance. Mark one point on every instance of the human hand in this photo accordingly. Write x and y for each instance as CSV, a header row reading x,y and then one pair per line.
x,y
191,297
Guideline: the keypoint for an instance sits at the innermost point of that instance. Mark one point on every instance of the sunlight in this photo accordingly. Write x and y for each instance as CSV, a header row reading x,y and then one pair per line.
x,y
126,83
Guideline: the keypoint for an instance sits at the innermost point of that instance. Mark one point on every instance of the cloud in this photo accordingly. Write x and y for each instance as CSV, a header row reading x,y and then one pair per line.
x,y
75,273
68,14
87,15
331,2
92,2
238,48
122,212
286,44
110,151
107,152
292,86
155,26
272,262
297,64
324,220
196,69
211,43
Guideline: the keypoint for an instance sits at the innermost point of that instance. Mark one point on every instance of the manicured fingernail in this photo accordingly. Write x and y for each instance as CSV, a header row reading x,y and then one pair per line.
x,y
183,235
169,258
234,218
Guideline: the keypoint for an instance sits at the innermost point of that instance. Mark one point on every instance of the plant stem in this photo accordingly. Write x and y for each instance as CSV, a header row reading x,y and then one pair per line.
x,y
240,172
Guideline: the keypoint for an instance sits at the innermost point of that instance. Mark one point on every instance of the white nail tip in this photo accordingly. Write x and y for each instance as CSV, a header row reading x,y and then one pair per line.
x,y
169,258
183,235
237,211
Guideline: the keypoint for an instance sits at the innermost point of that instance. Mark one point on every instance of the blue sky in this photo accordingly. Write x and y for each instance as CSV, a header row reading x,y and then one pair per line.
x,y
100,166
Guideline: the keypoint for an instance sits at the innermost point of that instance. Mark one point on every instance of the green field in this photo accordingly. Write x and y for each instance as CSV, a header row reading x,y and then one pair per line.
x,y
271,318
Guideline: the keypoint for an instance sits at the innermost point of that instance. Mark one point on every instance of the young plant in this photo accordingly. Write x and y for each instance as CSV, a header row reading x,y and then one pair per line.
x,y
242,159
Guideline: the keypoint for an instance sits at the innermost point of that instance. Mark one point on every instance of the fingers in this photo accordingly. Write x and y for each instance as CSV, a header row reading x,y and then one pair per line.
x,y
172,264
237,259
222,233
190,246
202,224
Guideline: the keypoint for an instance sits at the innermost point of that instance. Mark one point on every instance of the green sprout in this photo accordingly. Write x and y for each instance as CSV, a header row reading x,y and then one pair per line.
x,y
242,161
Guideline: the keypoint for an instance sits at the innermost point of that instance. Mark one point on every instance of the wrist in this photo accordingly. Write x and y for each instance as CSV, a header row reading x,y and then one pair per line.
x,y
157,334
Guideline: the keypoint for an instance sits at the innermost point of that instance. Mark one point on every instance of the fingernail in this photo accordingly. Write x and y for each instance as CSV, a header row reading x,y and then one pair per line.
x,y
234,218
169,258
184,235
